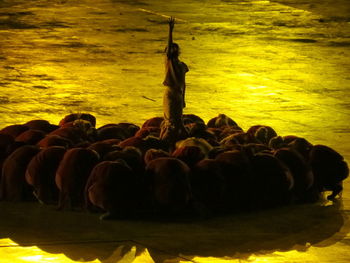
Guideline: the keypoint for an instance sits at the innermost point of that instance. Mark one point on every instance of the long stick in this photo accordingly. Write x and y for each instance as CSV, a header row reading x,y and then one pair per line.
x,y
158,14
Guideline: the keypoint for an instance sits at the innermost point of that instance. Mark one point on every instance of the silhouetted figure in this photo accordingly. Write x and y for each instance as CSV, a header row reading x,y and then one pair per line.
x,y
174,94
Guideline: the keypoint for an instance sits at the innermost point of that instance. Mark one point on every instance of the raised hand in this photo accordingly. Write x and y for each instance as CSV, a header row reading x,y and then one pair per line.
x,y
171,23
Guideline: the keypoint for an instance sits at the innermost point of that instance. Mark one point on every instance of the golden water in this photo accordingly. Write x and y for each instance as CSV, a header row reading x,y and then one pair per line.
x,y
259,62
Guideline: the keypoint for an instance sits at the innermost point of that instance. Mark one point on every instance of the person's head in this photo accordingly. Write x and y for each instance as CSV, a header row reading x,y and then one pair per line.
x,y
174,50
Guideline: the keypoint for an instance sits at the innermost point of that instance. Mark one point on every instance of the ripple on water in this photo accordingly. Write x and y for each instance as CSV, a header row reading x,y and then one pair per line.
x,y
131,29
73,103
100,13
9,23
133,70
157,21
40,87
339,44
16,14
297,40
42,76
338,19
342,130
4,100
74,44
131,2
99,51
54,24
302,40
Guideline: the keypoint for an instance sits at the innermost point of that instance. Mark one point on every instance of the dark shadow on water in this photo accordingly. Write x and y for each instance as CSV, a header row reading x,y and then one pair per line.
x,y
340,44
15,24
132,2
128,30
40,87
81,235
55,24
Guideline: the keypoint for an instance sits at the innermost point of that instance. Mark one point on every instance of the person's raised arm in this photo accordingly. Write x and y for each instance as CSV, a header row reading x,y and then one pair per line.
x,y
170,38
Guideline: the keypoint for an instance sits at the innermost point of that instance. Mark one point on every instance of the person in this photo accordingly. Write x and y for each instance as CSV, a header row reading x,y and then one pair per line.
x,y
172,128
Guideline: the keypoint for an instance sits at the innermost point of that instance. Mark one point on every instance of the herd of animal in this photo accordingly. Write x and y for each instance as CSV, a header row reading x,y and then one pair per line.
x,y
125,171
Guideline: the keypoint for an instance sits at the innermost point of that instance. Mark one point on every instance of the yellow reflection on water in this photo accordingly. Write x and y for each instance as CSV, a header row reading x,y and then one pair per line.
x,y
257,61
307,253
11,252
310,256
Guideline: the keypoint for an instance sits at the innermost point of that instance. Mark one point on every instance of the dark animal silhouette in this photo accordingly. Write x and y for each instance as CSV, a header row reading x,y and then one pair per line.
x,y
72,174
329,169
41,172
13,184
113,188
169,190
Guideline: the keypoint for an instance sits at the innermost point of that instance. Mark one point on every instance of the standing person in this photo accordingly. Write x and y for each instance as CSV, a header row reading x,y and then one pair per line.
x,y
174,94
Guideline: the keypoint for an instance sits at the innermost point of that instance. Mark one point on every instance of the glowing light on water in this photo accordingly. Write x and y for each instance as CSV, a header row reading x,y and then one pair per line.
x,y
257,87
37,258
14,253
